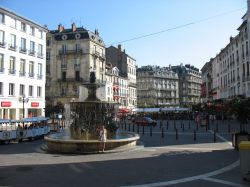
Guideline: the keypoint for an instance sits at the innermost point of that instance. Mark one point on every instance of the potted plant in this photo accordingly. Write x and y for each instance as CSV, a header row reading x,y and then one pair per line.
x,y
240,109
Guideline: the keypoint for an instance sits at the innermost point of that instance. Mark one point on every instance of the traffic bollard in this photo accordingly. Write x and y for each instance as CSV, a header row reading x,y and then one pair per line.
x,y
176,134
162,132
150,130
194,135
133,127
143,129
214,136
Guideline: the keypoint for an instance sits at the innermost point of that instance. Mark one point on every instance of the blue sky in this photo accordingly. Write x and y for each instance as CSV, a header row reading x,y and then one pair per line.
x,y
119,20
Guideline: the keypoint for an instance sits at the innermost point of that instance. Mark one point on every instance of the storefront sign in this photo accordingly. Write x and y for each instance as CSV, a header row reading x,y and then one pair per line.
x,y
6,104
34,104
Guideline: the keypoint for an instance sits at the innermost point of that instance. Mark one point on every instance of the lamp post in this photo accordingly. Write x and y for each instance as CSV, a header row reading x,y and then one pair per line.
x,y
23,99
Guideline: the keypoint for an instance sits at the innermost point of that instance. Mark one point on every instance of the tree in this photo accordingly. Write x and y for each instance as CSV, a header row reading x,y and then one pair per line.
x,y
240,109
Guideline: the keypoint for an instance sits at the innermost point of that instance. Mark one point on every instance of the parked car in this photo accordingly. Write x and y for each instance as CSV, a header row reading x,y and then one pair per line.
x,y
145,121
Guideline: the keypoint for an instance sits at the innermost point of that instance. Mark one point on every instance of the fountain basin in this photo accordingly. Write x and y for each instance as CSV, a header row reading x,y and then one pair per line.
x,y
55,144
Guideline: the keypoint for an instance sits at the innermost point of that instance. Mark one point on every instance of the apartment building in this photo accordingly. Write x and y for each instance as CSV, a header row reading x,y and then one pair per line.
x,y
22,66
127,71
71,55
157,87
189,84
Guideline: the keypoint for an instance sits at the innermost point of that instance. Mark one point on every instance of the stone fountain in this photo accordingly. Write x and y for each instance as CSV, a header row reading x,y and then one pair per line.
x,y
88,116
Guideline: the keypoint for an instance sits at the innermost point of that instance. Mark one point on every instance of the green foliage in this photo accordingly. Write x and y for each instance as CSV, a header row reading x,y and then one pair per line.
x,y
240,109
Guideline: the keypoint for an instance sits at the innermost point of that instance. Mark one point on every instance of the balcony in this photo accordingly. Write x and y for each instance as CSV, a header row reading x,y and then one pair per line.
x,y
31,75
12,71
101,69
40,55
131,84
63,66
69,52
32,53
76,66
22,73
243,78
39,76
12,47
2,44
70,80
22,50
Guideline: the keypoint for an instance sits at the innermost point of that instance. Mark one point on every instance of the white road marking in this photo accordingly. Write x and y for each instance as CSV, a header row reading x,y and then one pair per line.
x,y
225,182
75,168
189,179
222,138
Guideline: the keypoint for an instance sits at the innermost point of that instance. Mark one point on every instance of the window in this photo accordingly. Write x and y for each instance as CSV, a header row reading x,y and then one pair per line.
x,y
40,51
12,64
64,76
23,45
77,63
1,63
22,89
13,41
39,76
11,89
30,91
2,20
1,88
22,67
78,47
39,91
247,68
32,31
48,56
23,27
63,63
31,69
246,48
1,38
40,34
64,48
243,70
32,48
77,76
13,22
48,42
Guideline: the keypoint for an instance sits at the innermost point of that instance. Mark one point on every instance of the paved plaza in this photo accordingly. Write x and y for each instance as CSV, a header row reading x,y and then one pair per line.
x,y
162,158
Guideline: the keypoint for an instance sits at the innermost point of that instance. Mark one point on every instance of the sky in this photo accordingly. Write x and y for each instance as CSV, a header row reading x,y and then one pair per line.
x,y
193,30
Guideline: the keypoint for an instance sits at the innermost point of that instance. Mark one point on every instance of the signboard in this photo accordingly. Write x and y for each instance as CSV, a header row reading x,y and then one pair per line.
x,y
34,104
6,104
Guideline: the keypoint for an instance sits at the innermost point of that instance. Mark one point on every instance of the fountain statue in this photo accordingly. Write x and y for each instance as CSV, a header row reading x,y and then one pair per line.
x,y
88,116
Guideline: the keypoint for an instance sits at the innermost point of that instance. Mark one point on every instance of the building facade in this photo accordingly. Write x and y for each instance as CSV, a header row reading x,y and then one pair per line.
x,y
189,84
22,66
127,70
71,55
231,67
157,87
206,86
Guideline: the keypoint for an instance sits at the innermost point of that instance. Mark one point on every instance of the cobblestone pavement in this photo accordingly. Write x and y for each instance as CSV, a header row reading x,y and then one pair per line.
x,y
163,159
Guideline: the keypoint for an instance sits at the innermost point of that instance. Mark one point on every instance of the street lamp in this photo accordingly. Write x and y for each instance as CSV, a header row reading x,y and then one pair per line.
x,y
23,99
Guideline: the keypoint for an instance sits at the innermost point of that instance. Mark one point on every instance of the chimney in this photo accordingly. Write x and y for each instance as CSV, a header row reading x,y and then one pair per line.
x,y
96,32
73,26
120,47
60,27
